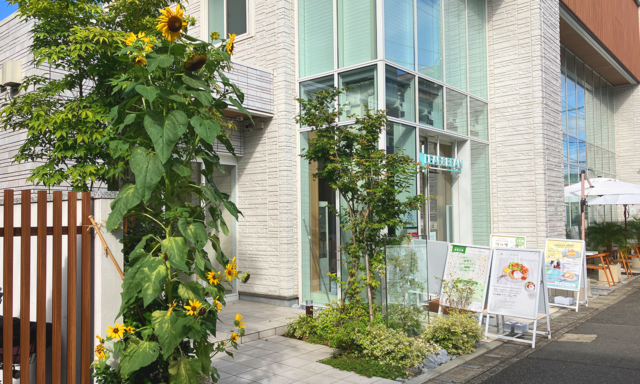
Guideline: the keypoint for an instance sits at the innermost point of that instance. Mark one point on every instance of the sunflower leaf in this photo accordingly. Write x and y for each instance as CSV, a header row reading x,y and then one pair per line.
x,y
204,349
128,197
148,93
193,81
153,274
148,169
204,97
170,329
137,354
184,371
176,249
154,60
165,131
207,129
194,232
191,291
240,107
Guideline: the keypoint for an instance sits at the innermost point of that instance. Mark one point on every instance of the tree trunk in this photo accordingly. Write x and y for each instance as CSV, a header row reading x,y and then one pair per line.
x,y
366,260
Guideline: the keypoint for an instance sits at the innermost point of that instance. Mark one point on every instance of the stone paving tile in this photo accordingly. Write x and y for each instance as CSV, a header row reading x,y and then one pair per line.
x,y
276,379
256,374
318,380
295,362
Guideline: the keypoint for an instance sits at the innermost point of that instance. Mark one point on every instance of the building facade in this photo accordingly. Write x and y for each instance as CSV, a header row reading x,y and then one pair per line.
x,y
507,101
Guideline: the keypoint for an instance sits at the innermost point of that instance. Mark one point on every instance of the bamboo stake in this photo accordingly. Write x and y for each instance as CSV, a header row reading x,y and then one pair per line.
x,y
106,248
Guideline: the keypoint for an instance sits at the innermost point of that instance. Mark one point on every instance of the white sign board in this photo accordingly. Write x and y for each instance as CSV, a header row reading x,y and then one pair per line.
x,y
505,241
565,263
516,276
470,264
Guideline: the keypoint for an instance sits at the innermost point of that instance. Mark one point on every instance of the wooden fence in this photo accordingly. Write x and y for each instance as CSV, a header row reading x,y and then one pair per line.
x,y
21,345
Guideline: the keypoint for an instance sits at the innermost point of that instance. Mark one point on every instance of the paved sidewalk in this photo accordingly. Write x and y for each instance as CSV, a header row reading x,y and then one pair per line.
x,y
281,360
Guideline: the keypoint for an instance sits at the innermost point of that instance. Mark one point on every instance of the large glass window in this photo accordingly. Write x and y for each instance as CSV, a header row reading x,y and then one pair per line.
x,y
356,31
481,201
309,87
478,119
403,137
361,93
319,234
476,20
430,104
456,112
430,38
398,29
315,35
400,94
228,16
455,44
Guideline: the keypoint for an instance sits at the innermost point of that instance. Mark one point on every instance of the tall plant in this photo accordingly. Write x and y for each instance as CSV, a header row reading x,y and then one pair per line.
x,y
370,183
605,235
168,118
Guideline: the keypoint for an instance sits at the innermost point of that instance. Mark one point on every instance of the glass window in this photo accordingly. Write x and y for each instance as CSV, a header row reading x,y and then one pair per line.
x,y
582,153
597,122
455,44
566,174
573,174
588,104
429,103
580,100
430,38
604,114
612,162
571,95
563,88
591,155
400,94
456,112
309,87
480,193
612,136
361,92
319,244
573,150
599,159
478,119
356,31
315,34
477,20
398,30
235,20
565,147
403,138
605,161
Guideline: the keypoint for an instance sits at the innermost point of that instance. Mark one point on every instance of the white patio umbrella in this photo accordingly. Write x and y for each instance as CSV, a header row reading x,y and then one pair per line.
x,y
600,186
623,200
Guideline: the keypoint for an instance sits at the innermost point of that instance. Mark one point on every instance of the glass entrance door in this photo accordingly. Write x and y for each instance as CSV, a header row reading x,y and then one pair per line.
x,y
437,213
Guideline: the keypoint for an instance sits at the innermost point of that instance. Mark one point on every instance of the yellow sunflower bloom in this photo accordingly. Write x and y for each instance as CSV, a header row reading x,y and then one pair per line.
x,y
130,330
230,45
172,23
116,332
193,307
100,339
217,304
239,323
131,39
231,270
100,351
215,35
234,337
213,279
140,61
171,308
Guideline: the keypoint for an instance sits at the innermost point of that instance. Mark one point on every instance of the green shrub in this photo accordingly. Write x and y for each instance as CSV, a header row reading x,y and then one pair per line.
x,y
456,333
406,318
304,327
365,367
391,347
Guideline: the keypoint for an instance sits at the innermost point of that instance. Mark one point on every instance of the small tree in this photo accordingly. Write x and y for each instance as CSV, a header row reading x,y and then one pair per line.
x,y
370,183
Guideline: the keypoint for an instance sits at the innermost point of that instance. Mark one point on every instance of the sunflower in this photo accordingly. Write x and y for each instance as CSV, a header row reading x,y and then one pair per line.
x,y
172,23
171,308
217,304
213,279
239,323
230,45
231,270
195,62
100,351
130,330
132,38
193,307
234,337
116,332
100,339
215,35
140,61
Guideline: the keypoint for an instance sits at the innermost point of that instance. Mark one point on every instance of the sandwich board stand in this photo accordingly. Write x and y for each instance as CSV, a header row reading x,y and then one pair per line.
x,y
518,289
566,268
469,263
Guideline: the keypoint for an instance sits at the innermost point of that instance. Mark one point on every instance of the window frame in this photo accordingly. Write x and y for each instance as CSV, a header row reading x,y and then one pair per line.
x,y
250,17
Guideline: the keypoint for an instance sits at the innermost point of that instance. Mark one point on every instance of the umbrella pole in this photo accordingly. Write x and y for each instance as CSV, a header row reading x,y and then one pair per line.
x,y
625,216
582,202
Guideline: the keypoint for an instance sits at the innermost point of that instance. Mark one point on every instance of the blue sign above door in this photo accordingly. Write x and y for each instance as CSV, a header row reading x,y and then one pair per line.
x,y
440,162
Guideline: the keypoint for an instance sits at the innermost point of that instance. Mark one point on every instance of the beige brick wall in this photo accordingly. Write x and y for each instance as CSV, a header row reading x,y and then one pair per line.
x,y
525,119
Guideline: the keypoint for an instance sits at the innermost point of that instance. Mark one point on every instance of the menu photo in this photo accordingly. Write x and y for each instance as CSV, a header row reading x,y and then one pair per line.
x,y
564,263
515,283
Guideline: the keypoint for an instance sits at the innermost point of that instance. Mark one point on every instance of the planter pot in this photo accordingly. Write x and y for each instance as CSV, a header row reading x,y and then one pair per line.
x,y
615,270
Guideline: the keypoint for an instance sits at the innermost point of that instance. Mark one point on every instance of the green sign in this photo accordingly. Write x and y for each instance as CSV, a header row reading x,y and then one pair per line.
x,y
459,249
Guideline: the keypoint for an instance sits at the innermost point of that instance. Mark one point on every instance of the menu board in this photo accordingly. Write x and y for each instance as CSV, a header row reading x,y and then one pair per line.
x,y
501,241
469,264
564,263
515,288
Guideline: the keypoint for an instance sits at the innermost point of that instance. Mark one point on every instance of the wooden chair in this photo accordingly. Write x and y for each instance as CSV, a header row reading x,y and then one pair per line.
x,y
606,266
622,259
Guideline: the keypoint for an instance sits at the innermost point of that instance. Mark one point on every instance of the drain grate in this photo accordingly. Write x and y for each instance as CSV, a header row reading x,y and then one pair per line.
x,y
496,356
443,379
470,366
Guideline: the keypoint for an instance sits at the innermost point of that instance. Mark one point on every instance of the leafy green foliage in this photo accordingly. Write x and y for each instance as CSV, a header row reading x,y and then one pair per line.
x,y
456,333
390,347
371,184
365,367
603,236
